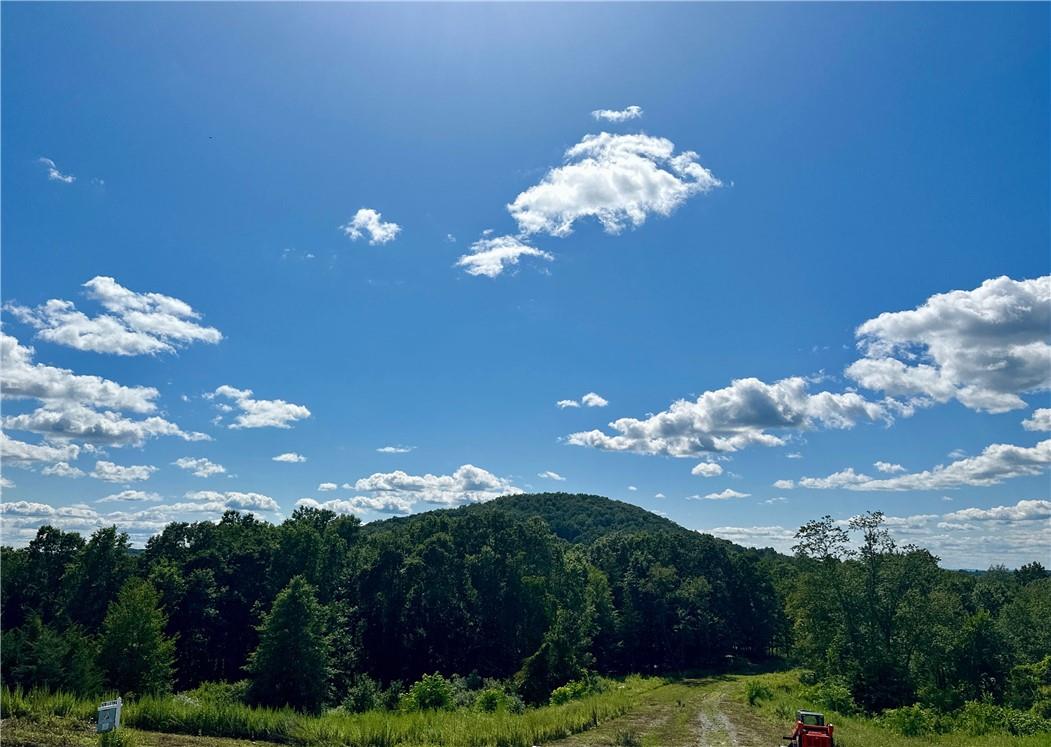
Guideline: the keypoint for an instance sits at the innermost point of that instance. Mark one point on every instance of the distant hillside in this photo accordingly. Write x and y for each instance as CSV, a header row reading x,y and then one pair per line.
x,y
575,517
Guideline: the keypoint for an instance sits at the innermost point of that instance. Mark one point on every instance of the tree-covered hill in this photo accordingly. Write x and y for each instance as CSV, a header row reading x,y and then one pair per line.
x,y
578,518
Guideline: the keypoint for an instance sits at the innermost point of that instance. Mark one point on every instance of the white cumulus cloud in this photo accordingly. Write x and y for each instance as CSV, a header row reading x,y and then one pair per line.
x,y
1038,510
136,323
62,469
260,413
732,418
996,463
549,475
617,179
111,472
230,500
290,456
23,379
467,484
984,347
200,467
80,423
368,222
361,504
1040,420
22,454
707,469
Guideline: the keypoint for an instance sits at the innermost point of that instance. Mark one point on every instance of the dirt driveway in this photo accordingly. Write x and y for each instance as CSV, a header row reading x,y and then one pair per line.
x,y
687,713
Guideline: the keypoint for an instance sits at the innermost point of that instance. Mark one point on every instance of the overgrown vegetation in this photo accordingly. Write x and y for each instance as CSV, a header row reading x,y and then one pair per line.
x,y
196,713
785,692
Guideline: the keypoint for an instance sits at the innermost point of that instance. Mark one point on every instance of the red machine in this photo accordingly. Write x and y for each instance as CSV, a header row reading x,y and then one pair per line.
x,y
811,731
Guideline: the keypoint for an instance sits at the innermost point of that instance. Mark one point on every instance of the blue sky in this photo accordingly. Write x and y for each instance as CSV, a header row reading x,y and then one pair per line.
x,y
849,161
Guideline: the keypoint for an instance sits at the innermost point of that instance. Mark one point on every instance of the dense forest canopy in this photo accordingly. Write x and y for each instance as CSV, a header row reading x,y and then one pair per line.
x,y
530,590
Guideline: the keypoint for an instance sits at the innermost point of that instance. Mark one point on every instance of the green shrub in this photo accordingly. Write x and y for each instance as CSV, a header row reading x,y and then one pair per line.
x,y
573,690
834,695
1024,723
909,721
757,691
979,718
589,684
431,693
490,700
363,695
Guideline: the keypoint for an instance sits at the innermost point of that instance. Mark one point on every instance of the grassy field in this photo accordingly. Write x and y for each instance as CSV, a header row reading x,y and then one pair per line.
x,y
64,714
638,712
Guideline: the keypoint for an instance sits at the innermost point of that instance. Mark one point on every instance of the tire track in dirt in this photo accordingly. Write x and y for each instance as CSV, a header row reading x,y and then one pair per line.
x,y
696,713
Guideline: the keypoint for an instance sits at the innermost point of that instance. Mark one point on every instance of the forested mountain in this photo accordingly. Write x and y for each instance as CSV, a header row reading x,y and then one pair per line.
x,y
529,590
575,517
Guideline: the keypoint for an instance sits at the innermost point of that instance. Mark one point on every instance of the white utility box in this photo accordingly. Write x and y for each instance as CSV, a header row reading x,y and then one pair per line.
x,y
109,715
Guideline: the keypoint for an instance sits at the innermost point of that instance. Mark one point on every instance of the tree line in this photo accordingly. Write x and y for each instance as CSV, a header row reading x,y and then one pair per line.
x,y
534,591
886,627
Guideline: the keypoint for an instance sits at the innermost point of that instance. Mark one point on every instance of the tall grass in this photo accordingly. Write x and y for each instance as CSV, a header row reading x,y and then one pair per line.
x,y
458,728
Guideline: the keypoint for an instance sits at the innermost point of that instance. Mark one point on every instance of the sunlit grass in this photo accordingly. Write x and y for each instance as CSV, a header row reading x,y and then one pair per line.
x,y
460,728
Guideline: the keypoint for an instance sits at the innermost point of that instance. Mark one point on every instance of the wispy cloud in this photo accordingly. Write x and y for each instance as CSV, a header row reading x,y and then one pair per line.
x,y
54,174
724,495
618,115
490,256
396,449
